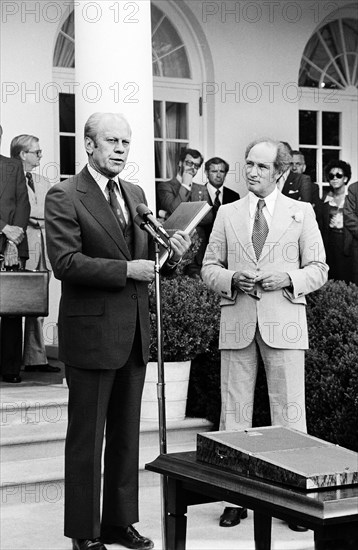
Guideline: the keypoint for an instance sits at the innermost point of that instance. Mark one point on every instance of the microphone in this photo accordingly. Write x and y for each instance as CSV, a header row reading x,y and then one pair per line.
x,y
151,231
147,216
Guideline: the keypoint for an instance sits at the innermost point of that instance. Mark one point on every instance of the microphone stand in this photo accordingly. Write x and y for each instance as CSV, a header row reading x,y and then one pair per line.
x,y
159,241
161,397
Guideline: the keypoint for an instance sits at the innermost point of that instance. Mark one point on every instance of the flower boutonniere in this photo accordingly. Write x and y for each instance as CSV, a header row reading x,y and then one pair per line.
x,y
298,216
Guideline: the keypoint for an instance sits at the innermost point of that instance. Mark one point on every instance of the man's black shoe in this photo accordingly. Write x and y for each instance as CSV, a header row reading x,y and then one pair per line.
x,y
87,544
42,368
128,537
232,516
11,378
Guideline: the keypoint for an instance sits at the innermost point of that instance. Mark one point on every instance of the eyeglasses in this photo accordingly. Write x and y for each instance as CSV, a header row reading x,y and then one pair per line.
x,y
338,175
38,152
191,164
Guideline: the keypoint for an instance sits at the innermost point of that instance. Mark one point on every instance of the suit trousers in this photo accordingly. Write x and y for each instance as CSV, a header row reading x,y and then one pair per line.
x,y
11,345
101,400
285,380
34,345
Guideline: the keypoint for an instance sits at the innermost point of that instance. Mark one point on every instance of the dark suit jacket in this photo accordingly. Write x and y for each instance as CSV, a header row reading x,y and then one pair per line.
x,y
14,201
100,307
350,216
298,187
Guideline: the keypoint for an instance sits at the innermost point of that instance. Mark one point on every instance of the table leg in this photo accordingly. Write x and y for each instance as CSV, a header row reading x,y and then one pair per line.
x,y
262,531
176,520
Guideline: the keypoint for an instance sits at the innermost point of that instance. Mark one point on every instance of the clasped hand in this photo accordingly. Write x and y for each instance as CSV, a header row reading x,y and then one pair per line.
x,y
270,280
11,255
13,233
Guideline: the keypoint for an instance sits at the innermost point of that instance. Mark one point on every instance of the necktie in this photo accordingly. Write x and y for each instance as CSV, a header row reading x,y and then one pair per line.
x,y
115,206
217,202
260,229
30,181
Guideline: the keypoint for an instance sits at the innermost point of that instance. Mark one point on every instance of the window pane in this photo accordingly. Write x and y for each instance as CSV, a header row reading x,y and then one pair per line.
x,y
67,155
327,156
158,146
330,128
67,113
173,152
176,120
311,162
157,119
308,127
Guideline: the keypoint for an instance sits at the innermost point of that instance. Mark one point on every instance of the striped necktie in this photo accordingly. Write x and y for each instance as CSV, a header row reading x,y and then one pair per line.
x,y
260,229
115,206
30,181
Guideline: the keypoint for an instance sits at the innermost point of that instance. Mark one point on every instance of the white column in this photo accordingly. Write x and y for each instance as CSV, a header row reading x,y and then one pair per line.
x,y
114,74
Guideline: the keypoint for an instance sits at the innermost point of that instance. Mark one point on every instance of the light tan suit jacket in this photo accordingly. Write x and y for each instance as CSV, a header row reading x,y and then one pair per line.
x,y
293,245
37,220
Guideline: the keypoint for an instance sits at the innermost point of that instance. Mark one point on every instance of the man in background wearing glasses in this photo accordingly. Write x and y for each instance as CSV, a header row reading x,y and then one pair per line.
x,y
26,148
182,188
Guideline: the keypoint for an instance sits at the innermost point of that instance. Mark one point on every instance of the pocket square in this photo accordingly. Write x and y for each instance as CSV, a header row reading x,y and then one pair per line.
x,y
293,191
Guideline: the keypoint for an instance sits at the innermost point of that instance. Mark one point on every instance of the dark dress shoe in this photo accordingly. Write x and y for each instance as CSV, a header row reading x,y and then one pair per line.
x,y
297,528
232,516
41,368
11,378
87,544
128,537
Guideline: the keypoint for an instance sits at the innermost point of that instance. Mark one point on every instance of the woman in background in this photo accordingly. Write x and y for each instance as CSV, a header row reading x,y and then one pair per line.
x,y
338,173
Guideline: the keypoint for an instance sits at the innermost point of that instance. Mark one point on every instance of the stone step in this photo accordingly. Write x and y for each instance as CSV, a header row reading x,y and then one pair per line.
x,y
42,404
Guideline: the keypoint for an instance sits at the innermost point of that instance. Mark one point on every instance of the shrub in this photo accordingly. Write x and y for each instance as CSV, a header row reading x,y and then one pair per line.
x,y
331,370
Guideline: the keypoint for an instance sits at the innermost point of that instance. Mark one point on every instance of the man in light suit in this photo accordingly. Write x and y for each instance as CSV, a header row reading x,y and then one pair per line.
x,y
102,259
264,255
27,149
14,216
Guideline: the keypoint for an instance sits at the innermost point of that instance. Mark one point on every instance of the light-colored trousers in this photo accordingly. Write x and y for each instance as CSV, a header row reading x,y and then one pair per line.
x,y
34,346
285,380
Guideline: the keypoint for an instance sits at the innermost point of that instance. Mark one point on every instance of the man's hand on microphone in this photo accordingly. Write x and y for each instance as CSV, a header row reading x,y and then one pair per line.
x,y
180,243
141,270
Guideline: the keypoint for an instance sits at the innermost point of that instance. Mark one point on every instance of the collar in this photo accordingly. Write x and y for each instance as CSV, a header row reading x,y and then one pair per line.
x,y
329,197
270,202
102,180
212,191
282,179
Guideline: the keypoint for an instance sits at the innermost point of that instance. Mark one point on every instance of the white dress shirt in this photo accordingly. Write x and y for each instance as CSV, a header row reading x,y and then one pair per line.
x,y
102,181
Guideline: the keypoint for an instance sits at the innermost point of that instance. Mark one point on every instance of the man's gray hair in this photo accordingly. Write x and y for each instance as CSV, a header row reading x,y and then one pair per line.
x,y
94,121
21,143
283,155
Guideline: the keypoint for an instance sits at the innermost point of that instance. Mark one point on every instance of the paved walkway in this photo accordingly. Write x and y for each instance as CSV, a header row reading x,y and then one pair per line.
x,y
40,527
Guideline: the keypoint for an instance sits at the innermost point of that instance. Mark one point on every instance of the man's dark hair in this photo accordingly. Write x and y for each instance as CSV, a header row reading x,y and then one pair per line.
x,y
297,152
344,166
216,160
193,153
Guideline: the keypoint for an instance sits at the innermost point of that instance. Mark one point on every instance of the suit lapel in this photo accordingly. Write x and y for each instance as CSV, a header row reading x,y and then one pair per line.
x,y
241,226
96,204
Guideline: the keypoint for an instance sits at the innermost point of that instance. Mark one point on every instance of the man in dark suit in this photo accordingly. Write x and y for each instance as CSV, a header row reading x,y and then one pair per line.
x,y
182,188
216,194
296,185
102,259
14,216
350,222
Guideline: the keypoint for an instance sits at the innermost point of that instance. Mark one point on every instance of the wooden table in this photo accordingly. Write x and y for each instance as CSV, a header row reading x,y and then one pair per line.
x,y
331,513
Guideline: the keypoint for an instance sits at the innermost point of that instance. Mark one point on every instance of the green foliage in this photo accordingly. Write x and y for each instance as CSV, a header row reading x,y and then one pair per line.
x,y
332,364
331,370
190,317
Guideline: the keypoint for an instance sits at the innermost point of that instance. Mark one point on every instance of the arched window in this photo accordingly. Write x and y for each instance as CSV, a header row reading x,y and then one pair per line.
x,y
168,50
64,54
177,79
330,59
328,76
